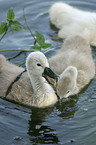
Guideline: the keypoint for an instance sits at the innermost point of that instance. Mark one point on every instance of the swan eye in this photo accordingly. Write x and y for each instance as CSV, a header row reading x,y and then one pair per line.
x,y
38,64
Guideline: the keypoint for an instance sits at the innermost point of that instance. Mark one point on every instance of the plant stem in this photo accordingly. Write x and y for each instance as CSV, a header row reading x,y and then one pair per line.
x,y
3,35
16,55
22,63
28,26
16,50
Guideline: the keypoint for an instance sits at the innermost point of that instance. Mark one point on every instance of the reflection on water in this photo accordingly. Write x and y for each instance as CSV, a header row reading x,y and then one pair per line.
x,y
67,107
44,134
41,133
70,121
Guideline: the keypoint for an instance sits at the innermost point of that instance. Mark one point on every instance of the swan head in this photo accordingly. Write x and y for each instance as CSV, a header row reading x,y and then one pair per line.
x,y
37,66
67,82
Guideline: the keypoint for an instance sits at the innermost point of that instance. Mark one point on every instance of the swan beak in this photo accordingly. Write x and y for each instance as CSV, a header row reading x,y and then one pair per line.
x,y
50,76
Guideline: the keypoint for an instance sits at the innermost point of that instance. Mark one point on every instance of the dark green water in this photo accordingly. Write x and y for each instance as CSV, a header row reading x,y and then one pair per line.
x,y
72,122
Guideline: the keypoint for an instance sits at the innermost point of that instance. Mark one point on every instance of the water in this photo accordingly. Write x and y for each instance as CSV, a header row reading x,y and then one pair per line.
x,y
71,122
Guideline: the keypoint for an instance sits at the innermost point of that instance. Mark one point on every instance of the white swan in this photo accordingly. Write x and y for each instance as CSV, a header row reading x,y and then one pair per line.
x,y
37,93
72,21
75,64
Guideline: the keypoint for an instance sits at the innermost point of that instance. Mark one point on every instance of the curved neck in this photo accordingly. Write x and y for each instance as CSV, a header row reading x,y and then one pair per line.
x,y
43,94
40,85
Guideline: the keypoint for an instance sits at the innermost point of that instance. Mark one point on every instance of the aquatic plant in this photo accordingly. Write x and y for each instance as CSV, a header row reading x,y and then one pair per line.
x,y
12,25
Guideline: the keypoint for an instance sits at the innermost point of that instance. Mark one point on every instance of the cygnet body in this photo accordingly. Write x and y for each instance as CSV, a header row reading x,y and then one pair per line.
x,y
72,21
75,64
31,89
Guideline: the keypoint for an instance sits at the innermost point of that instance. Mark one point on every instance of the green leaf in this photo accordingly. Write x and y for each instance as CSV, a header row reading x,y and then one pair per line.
x,y
17,28
1,32
10,14
40,38
3,27
11,29
16,23
36,47
46,45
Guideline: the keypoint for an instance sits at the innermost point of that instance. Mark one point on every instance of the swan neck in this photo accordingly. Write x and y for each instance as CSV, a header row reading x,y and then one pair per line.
x,y
44,94
40,85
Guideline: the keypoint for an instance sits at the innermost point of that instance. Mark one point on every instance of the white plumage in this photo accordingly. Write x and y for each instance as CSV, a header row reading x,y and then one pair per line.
x,y
72,21
32,88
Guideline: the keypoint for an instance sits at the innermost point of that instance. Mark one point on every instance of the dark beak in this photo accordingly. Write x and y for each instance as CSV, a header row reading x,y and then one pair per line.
x,y
50,76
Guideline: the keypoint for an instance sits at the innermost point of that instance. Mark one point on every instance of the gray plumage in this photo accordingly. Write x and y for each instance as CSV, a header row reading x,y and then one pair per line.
x,y
77,53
